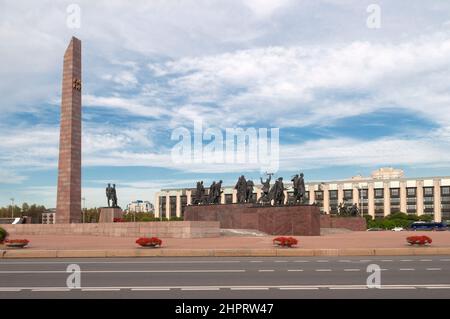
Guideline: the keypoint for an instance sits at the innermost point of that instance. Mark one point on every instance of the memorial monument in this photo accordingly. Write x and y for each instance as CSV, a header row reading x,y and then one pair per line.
x,y
113,211
68,205
271,213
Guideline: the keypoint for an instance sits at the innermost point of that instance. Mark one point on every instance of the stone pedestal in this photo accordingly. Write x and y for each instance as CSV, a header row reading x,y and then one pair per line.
x,y
298,220
107,214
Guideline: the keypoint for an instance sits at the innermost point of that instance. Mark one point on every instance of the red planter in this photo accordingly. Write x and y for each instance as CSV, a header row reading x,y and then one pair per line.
x,y
419,240
285,241
16,243
149,242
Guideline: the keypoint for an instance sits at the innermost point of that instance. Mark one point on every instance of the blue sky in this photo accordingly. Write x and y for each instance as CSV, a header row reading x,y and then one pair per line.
x,y
347,98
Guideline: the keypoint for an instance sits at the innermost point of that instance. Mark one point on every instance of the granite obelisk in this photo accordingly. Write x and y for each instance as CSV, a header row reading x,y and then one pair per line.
x,y
68,206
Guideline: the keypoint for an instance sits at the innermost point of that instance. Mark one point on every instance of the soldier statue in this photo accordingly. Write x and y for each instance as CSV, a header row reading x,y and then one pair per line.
x,y
211,193
199,194
265,190
354,211
111,195
277,192
241,187
249,191
217,192
299,188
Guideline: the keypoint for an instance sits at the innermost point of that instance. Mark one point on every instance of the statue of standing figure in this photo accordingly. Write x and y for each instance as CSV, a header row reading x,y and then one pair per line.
x,y
265,198
241,187
215,192
249,191
299,188
212,189
111,195
199,194
277,192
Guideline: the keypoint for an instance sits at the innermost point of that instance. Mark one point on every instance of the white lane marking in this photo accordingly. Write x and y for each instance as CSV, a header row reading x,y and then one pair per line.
x,y
123,271
301,261
322,261
299,288
256,261
295,269
444,259
266,270
352,269
447,287
49,289
201,289
396,287
345,261
150,289
323,269
249,288
406,269
100,289
406,260
431,269
10,289
281,261
386,260
365,260
425,260
347,288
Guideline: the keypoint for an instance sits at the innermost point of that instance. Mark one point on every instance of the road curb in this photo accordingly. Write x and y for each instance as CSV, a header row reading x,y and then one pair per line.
x,y
274,252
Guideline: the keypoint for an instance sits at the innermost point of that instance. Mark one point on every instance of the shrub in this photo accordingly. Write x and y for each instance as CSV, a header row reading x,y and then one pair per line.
x,y
118,220
285,241
3,234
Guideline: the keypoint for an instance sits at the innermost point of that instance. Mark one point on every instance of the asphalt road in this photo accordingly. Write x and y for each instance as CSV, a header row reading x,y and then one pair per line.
x,y
277,277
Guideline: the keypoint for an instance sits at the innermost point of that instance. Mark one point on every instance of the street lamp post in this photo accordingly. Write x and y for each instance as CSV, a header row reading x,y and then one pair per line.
x,y
12,207
84,208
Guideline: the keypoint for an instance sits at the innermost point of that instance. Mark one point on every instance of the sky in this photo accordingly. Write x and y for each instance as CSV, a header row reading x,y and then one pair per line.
x,y
347,95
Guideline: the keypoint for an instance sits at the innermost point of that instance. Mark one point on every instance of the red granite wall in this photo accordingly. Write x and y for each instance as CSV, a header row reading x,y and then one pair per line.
x,y
351,223
273,220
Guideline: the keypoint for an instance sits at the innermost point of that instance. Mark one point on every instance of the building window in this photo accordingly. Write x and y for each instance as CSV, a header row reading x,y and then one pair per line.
x,y
363,193
379,192
445,191
348,194
228,198
183,204
162,205
395,192
173,206
428,191
410,192
333,195
318,195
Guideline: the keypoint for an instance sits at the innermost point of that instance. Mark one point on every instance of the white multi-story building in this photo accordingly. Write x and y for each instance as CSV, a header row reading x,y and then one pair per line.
x,y
386,191
140,206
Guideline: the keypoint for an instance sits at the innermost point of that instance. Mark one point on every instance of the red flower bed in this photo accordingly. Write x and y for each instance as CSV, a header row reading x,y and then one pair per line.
x,y
16,242
118,220
419,240
285,241
152,242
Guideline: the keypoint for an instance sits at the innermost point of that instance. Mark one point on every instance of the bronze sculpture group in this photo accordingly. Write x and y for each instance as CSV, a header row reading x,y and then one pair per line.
x,y
244,191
